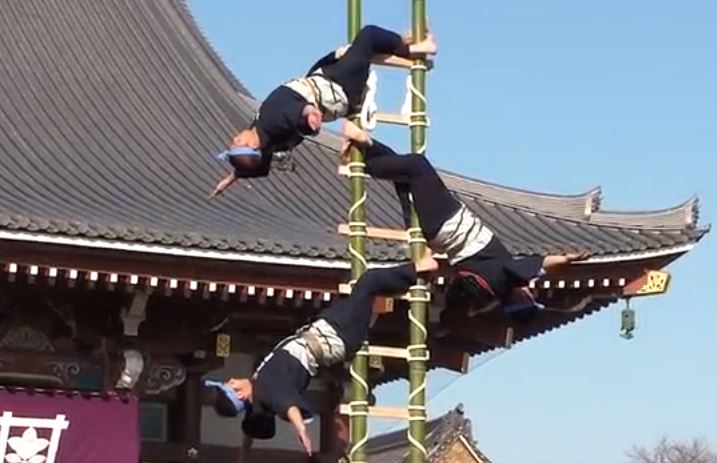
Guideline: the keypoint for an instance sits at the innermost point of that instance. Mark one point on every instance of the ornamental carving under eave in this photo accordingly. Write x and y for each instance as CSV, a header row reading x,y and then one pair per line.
x,y
164,376
67,371
24,337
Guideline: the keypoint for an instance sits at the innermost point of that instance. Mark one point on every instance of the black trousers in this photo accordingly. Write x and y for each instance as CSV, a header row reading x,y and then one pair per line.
x,y
351,70
413,173
351,316
434,203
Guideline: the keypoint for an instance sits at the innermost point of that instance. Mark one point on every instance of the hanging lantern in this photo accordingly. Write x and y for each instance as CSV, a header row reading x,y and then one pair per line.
x,y
628,321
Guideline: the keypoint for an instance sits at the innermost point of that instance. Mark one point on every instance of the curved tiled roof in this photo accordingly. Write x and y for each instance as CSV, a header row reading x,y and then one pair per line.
x,y
111,112
680,217
576,206
441,434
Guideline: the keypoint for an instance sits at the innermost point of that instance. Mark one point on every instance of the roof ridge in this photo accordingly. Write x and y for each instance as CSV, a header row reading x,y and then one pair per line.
x,y
564,205
482,182
205,42
684,215
601,218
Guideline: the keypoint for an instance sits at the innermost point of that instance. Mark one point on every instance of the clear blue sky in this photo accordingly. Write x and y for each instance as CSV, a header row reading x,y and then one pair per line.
x,y
557,96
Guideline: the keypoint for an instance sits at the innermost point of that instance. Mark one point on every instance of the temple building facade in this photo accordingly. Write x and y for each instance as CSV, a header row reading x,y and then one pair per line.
x,y
117,273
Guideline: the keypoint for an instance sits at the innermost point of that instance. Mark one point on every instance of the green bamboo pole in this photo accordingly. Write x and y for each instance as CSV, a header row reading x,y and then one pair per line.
x,y
357,249
418,349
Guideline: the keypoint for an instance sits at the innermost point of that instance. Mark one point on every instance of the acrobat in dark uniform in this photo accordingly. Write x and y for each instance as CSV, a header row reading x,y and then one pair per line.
x,y
484,268
277,385
333,88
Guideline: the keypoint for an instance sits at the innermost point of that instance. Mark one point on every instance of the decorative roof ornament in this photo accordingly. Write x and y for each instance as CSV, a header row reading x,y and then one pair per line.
x,y
628,321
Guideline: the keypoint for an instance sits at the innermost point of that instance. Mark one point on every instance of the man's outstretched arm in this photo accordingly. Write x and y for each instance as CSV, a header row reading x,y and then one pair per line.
x,y
552,264
223,184
297,422
355,134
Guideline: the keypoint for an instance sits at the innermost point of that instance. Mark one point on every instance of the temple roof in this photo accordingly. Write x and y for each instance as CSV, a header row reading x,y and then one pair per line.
x,y
441,435
111,114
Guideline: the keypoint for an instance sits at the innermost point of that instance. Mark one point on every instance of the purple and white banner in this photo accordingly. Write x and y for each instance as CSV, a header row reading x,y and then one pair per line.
x,y
65,427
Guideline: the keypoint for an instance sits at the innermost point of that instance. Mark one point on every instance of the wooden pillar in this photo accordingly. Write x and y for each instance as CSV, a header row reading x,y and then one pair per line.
x,y
185,417
334,426
192,409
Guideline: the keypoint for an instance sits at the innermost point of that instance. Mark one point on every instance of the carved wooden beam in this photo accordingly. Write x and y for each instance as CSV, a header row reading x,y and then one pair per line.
x,y
136,313
450,358
133,368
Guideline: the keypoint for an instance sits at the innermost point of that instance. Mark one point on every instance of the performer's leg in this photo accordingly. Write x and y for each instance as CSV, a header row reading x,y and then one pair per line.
x,y
387,281
434,203
374,40
351,316
403,192
351,70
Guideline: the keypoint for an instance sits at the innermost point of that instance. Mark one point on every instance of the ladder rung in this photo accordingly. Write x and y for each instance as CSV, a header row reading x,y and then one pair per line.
x,y
407,297
345,289
398,62
388,352
378,233
344,170
390,118
381,305
392,413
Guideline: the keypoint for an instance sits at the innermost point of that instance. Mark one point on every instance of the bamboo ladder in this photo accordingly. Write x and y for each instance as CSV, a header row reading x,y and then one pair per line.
x,y
416,354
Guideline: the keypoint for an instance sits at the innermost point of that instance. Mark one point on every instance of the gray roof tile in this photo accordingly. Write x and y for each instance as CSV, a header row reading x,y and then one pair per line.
x,y
441,432
112,110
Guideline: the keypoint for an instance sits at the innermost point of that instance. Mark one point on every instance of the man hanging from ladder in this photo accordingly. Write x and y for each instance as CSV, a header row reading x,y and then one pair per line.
x,y
484,269
333,88
278,383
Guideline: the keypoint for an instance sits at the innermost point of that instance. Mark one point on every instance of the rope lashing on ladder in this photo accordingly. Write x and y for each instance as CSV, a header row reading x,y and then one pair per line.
x,y
352,174
415,235
359,403
370,108
418,118
357,229
421,357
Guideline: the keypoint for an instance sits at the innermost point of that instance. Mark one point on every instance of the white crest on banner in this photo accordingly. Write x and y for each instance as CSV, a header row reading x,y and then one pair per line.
x,y
28,447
